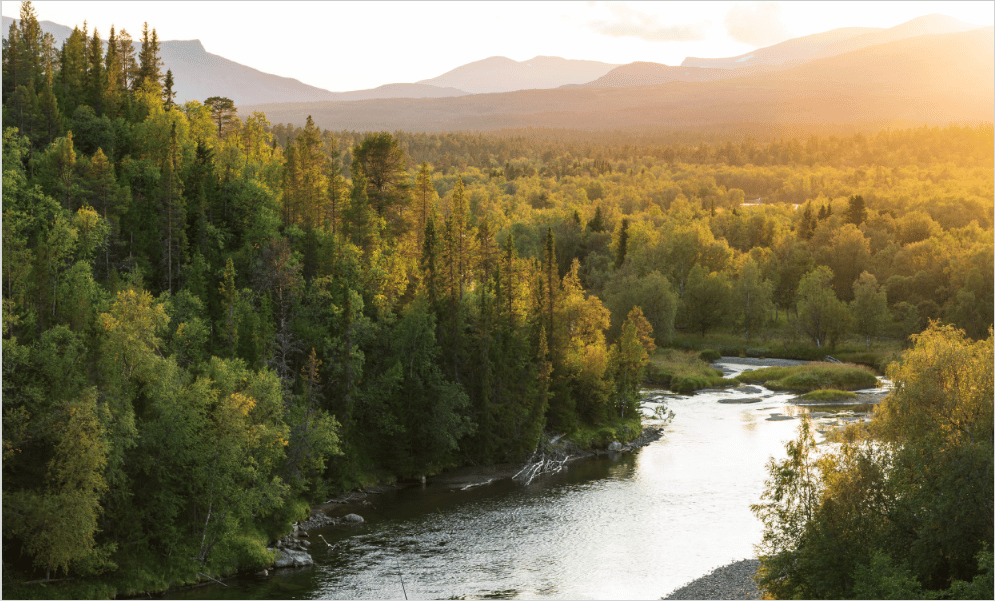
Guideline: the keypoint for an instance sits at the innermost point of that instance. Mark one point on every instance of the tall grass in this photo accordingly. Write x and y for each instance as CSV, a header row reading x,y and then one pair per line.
x,y
782,342
812,376
683,371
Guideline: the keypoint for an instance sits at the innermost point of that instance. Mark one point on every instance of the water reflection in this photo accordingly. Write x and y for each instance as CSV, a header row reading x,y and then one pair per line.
x,y
628,526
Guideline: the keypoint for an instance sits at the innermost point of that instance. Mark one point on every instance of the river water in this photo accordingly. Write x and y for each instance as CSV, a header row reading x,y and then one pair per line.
x,y
632,526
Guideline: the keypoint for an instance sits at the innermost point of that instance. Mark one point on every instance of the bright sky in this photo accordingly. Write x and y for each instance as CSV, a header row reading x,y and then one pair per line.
x,y
342,46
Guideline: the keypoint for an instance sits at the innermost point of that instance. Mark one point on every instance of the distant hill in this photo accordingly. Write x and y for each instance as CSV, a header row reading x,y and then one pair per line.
x,y
501,74
926,25
645,74
931,79
200,74
797,51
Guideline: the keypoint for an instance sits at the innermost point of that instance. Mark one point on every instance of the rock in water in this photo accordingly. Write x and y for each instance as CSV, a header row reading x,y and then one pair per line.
x,y
615,446
289,558
353,519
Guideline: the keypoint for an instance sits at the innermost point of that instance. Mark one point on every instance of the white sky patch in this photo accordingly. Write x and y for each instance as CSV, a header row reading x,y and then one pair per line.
x,y
757,24
341,46
628,22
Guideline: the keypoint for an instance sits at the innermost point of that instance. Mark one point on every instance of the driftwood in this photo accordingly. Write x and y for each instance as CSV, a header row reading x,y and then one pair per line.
x,y
546,459
214,579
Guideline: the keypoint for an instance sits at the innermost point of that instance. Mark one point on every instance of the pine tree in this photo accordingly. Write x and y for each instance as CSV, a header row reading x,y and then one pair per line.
x,y
425,197
50,118
73,63
173,211
96,78
11,51
168,94
224,113
338,192
623,244
291,183
551,281
383,164
460,238
27,50
149,62
126,61
856,210
112,74
430,263
64,158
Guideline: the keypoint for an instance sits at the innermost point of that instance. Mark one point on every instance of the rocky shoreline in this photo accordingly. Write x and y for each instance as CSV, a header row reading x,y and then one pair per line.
x,y
733,581
292,549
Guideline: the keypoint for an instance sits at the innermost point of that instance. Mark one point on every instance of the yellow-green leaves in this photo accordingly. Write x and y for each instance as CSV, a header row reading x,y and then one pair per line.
x,y
943,387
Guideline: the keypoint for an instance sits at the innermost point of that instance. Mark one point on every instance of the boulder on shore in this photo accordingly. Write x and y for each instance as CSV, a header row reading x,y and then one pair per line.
x,y
291,558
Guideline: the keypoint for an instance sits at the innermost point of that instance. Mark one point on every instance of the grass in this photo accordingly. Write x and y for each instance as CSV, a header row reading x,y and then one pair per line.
x,y
599,437
782,342
683,371
827,395
812,376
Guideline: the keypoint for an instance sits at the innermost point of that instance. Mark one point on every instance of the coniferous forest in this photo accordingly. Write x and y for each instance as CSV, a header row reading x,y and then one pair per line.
x,y
211,322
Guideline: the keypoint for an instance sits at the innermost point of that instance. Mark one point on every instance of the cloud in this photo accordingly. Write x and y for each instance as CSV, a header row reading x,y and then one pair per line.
x,y
758,24
630,23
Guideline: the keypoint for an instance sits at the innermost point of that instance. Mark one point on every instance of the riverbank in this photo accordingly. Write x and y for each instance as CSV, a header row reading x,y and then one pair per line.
x,y
461,478
733,581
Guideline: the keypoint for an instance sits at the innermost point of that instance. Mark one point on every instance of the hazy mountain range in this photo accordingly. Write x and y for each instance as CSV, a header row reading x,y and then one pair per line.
x,y
933,69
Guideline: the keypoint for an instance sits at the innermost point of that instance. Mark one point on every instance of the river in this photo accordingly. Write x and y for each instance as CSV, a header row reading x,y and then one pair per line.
x,y
631,526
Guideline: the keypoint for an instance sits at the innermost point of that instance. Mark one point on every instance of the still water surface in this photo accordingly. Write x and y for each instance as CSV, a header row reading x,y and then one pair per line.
x,y
636,526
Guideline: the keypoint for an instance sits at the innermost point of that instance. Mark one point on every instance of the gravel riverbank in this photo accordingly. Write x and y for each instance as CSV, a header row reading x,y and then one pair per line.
x,y
733,581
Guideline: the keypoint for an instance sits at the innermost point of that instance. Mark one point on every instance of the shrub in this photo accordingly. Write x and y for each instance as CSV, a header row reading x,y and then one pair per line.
x,y
812,376
709,355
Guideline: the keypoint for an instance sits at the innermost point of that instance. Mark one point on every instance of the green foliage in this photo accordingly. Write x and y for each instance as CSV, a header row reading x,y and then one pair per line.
x,y
827,395
683,371
811,376
599,437
821,315
905,514
706,300
226,326
709,355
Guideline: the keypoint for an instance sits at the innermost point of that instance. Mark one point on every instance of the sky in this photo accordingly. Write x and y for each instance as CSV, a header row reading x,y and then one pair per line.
x,y
341,46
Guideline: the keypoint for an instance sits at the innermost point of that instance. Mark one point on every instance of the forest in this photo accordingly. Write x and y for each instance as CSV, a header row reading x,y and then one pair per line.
x,y
211,321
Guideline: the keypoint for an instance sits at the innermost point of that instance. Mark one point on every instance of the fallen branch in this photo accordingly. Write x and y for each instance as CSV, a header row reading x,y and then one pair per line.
x,y
546,459
214,579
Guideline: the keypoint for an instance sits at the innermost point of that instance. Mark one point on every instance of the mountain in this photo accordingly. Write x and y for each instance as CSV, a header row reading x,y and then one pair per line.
x,y
926,25
200,74
793,51
930,79
645,74
59,32
501,74
797,51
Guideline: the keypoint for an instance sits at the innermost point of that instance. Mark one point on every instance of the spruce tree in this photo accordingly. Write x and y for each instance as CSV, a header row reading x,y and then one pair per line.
x,y
168,94
127,64
112,75
173,211
96,78
424,193
623,244
149,63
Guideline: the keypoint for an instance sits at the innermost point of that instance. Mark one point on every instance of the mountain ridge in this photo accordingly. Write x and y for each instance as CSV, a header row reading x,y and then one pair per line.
x,y
497,74
834,42
908,81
